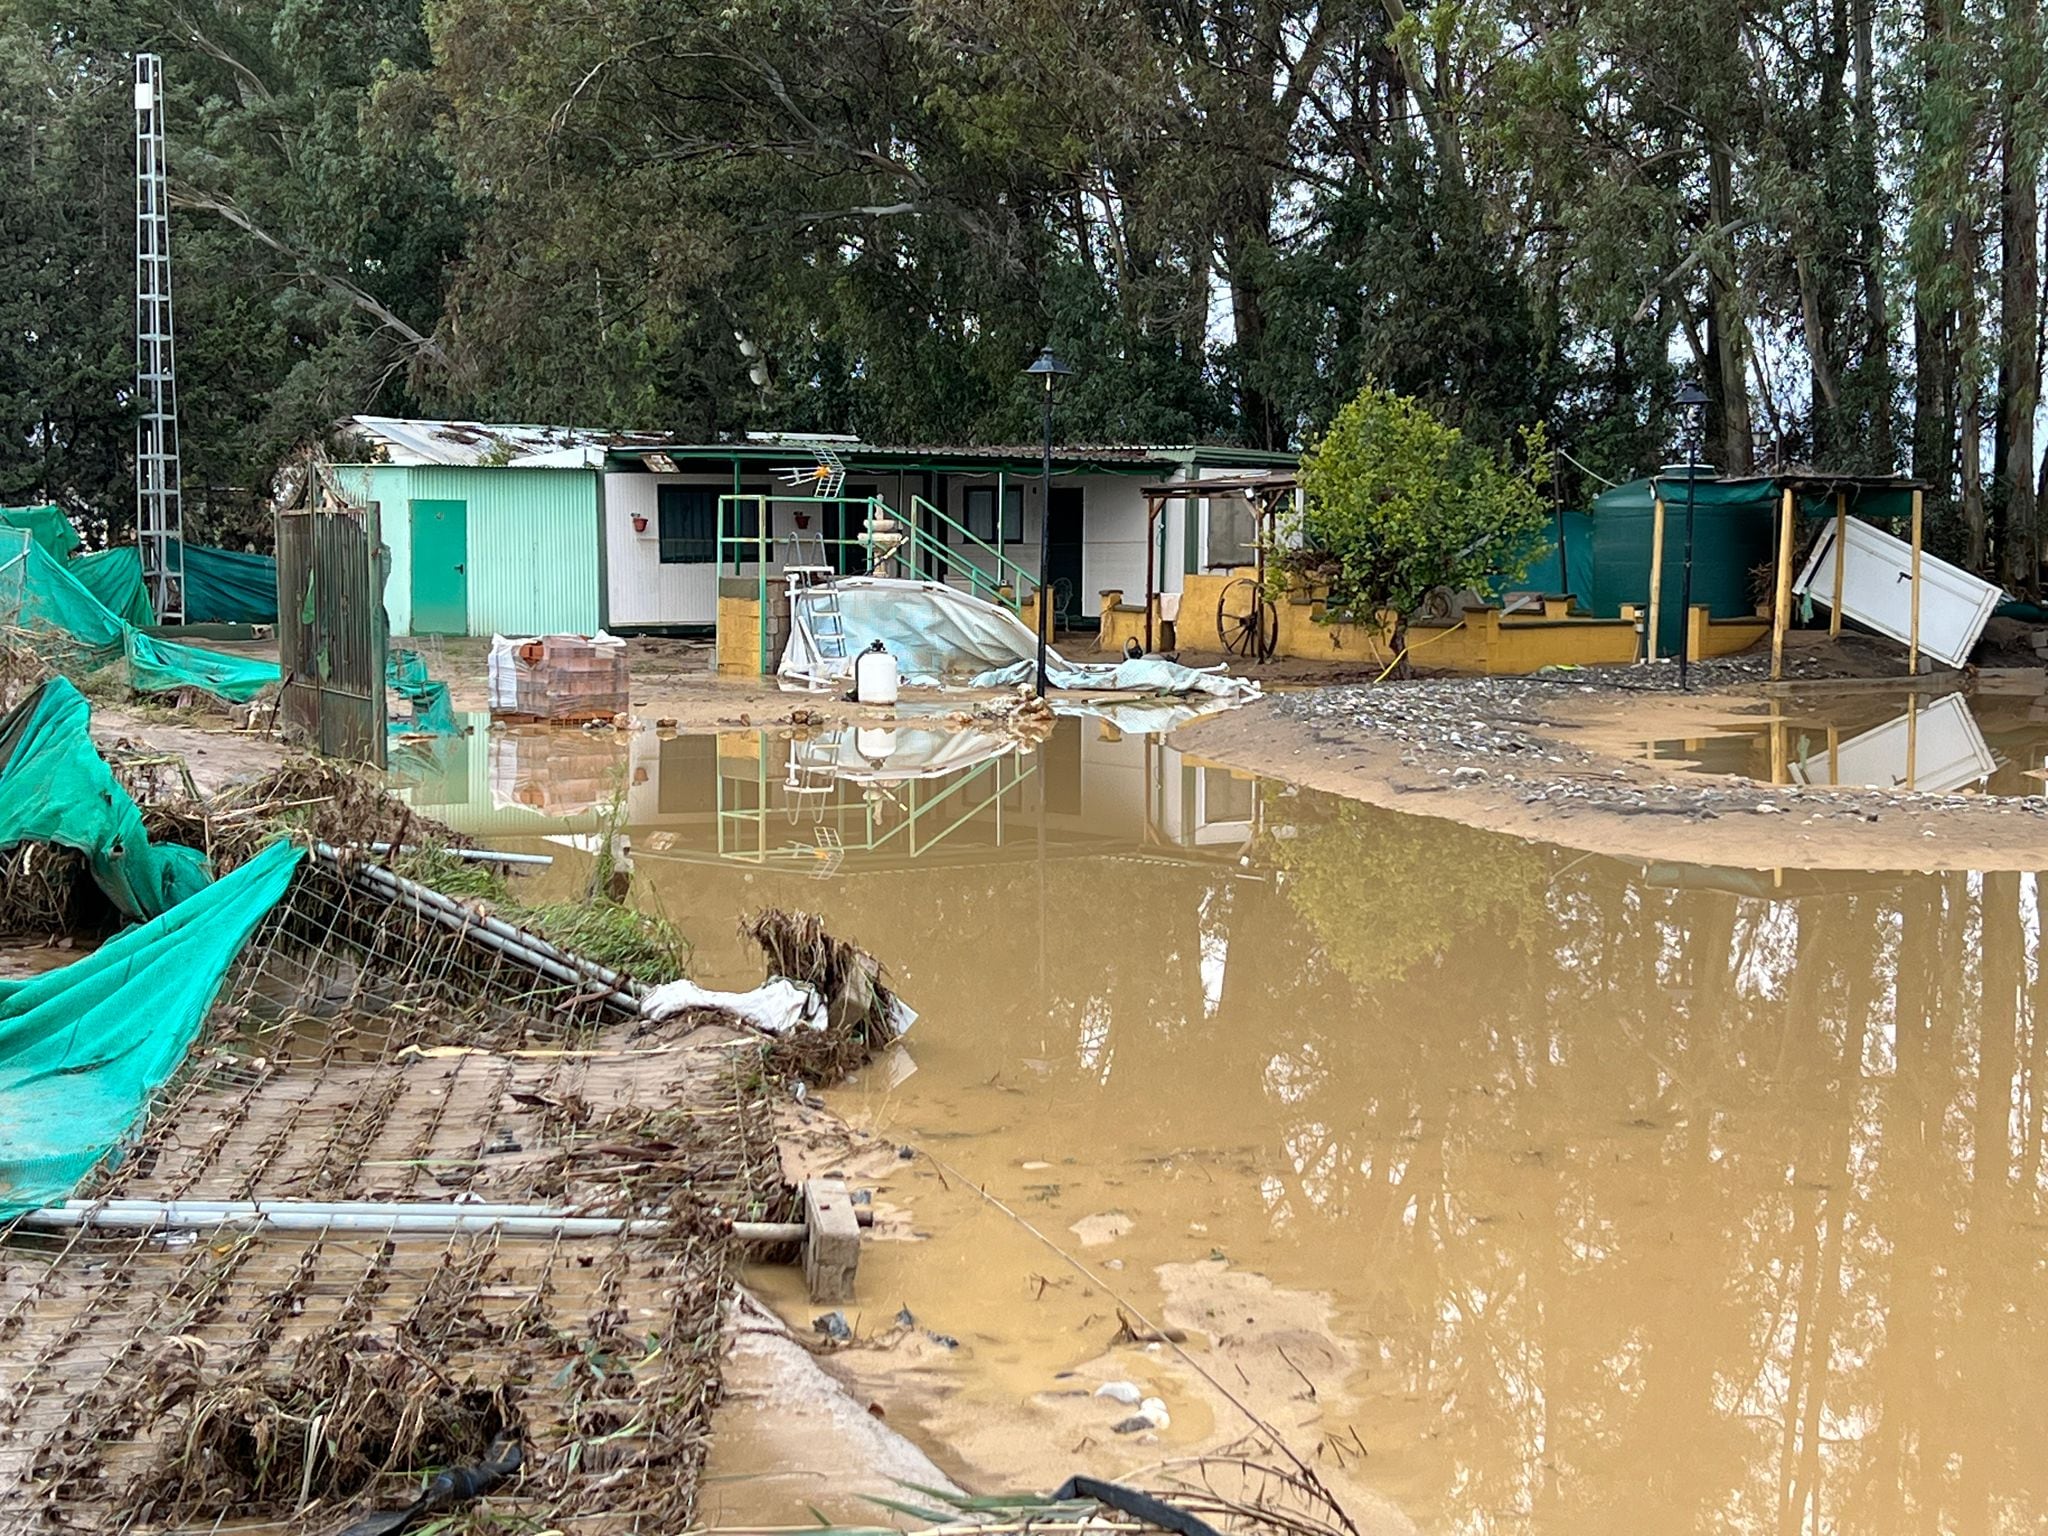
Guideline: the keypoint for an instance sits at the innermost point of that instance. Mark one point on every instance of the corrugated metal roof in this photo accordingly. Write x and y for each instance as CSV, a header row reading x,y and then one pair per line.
x,y
461,444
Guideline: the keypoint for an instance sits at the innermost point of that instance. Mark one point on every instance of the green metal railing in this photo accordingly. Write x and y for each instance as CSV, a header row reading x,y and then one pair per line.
x,y
1007,572
923,556
928,812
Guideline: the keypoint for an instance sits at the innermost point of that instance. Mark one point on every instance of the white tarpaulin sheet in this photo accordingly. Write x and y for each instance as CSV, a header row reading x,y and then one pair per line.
x,y
941,637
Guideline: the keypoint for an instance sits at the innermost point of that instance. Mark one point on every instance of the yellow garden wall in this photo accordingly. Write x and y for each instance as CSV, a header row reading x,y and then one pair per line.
x,y
1484,640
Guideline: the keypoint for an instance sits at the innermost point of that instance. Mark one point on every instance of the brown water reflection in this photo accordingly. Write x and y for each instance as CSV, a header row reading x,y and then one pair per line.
x,y
1668,1199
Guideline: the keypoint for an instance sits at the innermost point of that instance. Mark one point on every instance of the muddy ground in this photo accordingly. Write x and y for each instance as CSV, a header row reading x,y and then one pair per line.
x,y
1559,759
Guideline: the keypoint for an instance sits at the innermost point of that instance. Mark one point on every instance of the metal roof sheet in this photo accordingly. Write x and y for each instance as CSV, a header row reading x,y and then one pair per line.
x,y
468,443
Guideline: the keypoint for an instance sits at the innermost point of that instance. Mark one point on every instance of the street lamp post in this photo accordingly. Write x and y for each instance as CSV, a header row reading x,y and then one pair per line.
x,y
1693,401
1048,368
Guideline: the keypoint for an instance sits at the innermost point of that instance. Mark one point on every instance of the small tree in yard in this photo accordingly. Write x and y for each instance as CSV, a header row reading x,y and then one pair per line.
x,y
1395,504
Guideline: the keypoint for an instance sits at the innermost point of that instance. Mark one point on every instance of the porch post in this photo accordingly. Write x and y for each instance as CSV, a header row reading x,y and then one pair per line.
x,y
1781,608
1151,563
1841,555
1656,574
1913,645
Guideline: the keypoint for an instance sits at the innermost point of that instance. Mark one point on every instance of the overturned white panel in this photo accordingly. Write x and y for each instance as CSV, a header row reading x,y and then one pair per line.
x,y
1877,591
1934,748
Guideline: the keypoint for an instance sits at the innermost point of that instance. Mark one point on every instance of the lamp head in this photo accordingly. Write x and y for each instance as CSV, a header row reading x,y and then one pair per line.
x,y
1690,396
1048,367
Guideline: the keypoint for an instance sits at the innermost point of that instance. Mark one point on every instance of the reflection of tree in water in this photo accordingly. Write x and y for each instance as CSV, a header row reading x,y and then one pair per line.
x,y
1665,1210
1674,1210
1386,893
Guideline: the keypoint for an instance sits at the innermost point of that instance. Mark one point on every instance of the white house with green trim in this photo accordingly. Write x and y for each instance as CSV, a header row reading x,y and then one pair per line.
x,y
526,530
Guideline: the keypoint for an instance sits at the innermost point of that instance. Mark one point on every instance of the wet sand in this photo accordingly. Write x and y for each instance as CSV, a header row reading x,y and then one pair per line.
x,y
1806,828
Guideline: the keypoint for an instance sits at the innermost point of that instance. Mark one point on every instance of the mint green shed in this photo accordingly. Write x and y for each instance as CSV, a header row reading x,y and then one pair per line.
x,y
487,549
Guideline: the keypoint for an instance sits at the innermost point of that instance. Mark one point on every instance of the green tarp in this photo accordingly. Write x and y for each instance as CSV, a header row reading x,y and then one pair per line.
x,y
114,576
47,525
53,599
161,666
82,1049
56,788
226,586
433,713
222,586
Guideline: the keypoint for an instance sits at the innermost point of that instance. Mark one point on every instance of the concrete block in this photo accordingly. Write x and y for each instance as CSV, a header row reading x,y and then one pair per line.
x,y
832,1240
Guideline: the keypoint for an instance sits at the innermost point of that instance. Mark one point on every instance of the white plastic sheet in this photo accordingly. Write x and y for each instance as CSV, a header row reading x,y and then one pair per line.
x,y
941,637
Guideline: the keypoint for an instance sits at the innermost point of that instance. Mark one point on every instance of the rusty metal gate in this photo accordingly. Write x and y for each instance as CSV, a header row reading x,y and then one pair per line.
x,y
331,634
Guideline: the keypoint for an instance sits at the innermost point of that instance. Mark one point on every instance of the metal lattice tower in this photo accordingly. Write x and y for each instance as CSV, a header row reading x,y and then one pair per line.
x,y
159,509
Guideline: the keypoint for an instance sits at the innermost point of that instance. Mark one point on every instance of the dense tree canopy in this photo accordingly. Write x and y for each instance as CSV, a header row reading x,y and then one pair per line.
x,y
1231,213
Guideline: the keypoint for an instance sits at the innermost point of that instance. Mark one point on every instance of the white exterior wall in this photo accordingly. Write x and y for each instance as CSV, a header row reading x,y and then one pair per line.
x,y
644,593
640,590
1112,531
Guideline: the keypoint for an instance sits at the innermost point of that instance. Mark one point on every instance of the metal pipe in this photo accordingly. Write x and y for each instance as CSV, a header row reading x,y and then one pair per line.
x,y
226,1211
480,855
525,938
397,1224
491,931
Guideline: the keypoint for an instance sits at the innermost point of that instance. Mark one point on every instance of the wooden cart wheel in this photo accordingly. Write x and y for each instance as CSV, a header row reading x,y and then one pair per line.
x,y
1247,623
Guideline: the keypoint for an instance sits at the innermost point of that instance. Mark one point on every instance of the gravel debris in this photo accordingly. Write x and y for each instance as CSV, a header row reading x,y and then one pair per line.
x,y
1488,734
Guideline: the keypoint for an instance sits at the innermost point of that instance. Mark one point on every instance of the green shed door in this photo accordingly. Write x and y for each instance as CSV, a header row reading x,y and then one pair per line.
x,y
440,580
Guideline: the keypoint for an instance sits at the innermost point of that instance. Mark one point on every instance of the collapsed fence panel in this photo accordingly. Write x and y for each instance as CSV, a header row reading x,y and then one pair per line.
x,y
363,1051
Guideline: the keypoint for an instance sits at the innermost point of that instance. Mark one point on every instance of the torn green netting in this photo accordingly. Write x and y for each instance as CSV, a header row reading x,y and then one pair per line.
x,y
56,788
159,666
114,577
433,714
47,525
51,599
82,1049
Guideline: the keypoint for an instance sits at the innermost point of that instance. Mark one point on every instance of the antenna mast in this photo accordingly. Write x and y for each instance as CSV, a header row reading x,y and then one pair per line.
x,y
159,509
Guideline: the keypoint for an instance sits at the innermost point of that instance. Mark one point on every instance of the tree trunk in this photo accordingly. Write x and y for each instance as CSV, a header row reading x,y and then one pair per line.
x,y
2019,299
1727,334
1969,406
1876,362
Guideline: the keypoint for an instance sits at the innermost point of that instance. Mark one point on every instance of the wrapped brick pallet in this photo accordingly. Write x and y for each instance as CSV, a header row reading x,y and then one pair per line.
x,y
564,679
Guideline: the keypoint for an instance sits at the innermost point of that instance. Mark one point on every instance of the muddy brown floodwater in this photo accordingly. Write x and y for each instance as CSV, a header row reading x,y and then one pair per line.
x,y
1523,1190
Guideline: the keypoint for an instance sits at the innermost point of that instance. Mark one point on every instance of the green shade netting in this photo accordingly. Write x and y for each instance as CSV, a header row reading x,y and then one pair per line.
x,y
433,714
56,788
82,1049
114,576
47,525
226,586
53,599
159,666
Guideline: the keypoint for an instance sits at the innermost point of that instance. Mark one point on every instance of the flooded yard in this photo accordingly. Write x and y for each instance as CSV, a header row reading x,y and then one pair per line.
x,y
1528,1190
1989,741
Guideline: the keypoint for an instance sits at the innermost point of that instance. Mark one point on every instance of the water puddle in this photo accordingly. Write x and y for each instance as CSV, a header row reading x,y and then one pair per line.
x,y
1990,742
1529,1190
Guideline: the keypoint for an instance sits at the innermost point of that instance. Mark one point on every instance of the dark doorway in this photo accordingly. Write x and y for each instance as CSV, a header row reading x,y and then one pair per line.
x,y
1063,555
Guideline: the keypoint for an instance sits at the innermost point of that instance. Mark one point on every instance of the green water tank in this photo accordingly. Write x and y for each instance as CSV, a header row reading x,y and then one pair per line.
x,y
1732,523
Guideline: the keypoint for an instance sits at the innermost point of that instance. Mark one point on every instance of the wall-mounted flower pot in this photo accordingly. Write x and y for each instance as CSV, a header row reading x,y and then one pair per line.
x,y
639,523
803,519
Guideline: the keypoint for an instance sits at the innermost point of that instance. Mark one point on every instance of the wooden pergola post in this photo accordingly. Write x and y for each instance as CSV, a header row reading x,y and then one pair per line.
x,y
1152,508
1781,607
1656,575
1913,644
1841,556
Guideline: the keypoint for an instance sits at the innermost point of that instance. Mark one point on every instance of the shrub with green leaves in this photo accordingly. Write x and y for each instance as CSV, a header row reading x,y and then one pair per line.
x,y
1395,504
